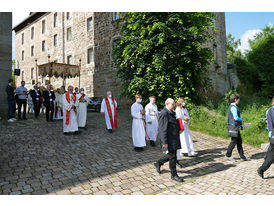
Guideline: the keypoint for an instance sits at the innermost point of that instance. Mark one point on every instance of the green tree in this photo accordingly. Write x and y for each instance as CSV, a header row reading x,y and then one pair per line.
x,y
161,54
231,48
261,55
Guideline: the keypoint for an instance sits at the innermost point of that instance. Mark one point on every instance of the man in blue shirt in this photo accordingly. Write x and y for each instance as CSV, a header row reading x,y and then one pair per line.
x,y
270,152
22,99
234,118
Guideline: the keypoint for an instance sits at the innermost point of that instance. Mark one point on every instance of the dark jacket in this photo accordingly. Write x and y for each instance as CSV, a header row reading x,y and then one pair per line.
x,y
169,129
10,92
34,96
47,98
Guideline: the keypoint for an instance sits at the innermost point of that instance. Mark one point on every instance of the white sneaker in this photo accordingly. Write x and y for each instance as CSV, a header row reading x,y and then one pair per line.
x,y
10,120
193,154
230,158
13,119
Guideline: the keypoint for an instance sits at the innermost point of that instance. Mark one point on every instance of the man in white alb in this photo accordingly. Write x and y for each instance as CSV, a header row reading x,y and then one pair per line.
x,y
138,124
109,109
151,120
70,104
82,108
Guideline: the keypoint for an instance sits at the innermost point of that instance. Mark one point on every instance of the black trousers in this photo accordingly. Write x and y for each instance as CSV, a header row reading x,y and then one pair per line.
x,y
20,103
11,108
49,108
36,106
269,159
171,156
236,141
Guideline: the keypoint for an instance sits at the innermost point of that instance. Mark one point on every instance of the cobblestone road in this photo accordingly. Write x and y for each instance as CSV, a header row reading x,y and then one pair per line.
x,y
36,158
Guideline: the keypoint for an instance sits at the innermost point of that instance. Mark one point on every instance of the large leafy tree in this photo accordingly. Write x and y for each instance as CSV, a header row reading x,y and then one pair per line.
x,y
161,54
261,55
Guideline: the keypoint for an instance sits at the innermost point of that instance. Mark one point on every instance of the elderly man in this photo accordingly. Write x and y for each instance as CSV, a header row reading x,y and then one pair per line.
x,y
82,108
35,95
169,134
70,103
109,109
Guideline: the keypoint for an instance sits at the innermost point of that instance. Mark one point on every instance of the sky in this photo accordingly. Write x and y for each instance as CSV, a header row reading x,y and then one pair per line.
x,y
242,25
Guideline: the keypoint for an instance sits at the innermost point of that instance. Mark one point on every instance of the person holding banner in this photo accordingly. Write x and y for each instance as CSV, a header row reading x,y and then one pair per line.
x,y
138,124
82,108
109,109
70,103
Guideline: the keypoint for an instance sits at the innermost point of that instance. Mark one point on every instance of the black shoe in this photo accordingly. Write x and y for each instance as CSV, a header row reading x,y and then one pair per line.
x,y
179,164
19,118
110,130
260,173
137,149
177,178
157,166
24,118
77,132
51,120
65,133
47,120
152,143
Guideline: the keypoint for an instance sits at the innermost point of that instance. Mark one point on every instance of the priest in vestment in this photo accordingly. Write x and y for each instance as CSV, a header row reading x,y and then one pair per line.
x,y
109,109
70,103
151,120
82,108
138,124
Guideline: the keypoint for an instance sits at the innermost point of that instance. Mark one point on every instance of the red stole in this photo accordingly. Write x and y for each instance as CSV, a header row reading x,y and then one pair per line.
x,y
110,113
68,112
83,95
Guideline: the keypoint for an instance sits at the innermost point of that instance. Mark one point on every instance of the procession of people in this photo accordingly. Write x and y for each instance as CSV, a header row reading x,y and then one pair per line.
x,y
171,124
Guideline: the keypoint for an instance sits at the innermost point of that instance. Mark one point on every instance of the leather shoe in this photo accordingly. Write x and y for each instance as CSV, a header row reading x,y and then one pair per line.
x,y
157,166
177,178
260,173
179,164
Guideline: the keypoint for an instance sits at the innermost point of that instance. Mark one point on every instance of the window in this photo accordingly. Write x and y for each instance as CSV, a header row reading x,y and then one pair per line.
x,y
215,52
22,75
69,34
69,59
68,15
43,45
32,51
55,40
89,24
23,35
33,82
55,20
90,56
32,73
23,55
43,26
115,16
32,33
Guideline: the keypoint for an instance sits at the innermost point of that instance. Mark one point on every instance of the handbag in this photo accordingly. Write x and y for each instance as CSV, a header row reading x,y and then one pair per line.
x,y
233,131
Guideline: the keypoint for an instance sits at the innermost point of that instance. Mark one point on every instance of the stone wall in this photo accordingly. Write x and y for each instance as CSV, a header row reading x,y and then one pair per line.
x,y
5,55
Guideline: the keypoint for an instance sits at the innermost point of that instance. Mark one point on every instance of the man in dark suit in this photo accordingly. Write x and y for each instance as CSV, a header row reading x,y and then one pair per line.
x,y
49,97
35,95
169,134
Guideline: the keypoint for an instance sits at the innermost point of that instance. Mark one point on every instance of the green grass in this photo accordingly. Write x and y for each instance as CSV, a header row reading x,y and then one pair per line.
x,y
212,120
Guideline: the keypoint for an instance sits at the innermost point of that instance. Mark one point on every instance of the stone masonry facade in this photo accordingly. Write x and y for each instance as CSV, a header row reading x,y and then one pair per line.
x,y
98,76
5,55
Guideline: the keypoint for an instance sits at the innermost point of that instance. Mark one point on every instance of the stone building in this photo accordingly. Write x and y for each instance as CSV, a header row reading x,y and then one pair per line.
x,y
5,55
66,37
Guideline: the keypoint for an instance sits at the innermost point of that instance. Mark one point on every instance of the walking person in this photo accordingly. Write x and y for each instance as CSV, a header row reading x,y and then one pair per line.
x,y
11,101
49,98
234,125
35,95
151,120
269,159
169,134
22,93
185,137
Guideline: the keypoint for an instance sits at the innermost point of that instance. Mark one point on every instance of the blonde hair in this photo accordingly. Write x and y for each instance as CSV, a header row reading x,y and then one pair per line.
x,y
179,102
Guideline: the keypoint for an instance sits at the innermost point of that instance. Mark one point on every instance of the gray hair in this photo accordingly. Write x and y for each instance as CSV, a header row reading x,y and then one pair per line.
x,y
70,87
168,101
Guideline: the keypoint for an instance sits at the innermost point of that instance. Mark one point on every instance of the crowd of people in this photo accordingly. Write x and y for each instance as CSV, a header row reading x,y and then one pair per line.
x,y
171,124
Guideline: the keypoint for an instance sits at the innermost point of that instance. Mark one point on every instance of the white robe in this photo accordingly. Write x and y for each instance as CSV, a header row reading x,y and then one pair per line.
x,y
73,124
58,105
185,137
82,111
151,116
138,129
104,109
